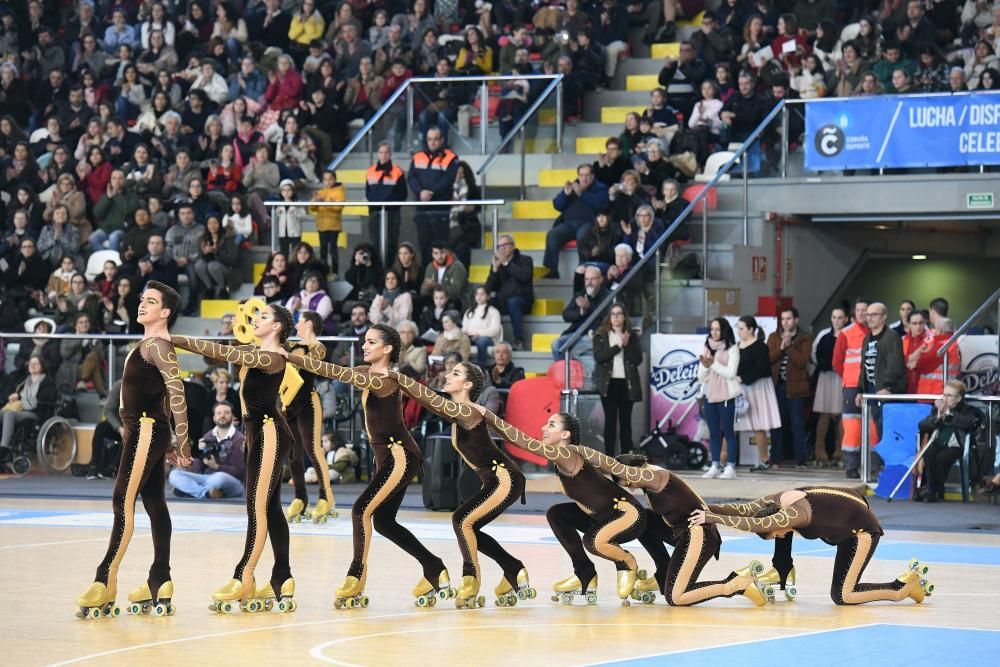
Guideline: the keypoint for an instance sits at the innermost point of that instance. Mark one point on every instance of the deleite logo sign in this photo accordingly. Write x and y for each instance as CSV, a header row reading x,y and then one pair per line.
x,y
980,375
676,375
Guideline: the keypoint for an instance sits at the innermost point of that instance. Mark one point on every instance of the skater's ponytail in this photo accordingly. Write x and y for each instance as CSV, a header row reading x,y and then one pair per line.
x,y
475,375
390,337
572,424
633,460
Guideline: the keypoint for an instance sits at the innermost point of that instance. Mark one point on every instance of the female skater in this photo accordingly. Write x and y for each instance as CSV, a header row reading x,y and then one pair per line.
x,y
839,517
305,417
672,501
604,512
268,441
397,459
503,483
152,393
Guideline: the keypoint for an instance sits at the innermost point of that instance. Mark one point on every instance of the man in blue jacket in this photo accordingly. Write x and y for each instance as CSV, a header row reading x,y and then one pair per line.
x,y
578,204
432,178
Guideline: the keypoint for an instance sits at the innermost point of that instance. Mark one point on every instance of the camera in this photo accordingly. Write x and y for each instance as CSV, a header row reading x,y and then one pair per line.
x,y
365,257
211,448
562,37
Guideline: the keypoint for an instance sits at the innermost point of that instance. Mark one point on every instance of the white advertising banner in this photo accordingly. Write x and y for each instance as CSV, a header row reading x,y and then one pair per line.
x,y
674,380
979,364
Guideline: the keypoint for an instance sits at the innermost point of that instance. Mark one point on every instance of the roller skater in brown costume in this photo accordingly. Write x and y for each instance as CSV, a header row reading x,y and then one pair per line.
x,y
503,484
839,517
604,512
397,459
305,417
671,502
152,394
268,440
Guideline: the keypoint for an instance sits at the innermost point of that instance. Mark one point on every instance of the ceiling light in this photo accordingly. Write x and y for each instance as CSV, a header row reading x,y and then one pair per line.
x,y
919,257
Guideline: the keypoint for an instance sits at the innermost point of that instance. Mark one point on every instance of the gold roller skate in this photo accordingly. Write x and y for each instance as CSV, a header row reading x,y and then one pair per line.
x,y
770,584
569,587
235,591
284,600
753,593
427,594
468,594
323,511
507,596
351,594
141,600
296,511
645,589
98,600
914,578
626,584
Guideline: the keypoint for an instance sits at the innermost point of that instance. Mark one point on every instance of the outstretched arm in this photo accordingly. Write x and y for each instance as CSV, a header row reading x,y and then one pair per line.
x,y
161,354
745,509
796,515
565,459
241,355
642,477
435,402
359,378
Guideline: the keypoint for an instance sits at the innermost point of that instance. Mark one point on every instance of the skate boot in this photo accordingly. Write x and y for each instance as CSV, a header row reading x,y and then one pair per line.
x,y
468,594
770,582
645,589
626,584
322,511
919,588
753,593
235,592
296,511
507,595
351,593
569,587
752,570
141,600
284,600
97,601
427,594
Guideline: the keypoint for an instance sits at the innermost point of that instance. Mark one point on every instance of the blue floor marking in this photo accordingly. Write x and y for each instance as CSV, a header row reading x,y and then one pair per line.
x,y
882,644
963,554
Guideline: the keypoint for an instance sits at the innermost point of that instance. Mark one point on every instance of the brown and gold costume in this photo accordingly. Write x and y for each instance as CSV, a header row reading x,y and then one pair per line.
x,y
152,395
503,482
671,502
840,517
604,512
397,460
268,440
305,418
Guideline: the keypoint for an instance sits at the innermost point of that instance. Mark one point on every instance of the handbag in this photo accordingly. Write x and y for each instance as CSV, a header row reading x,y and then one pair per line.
x,y
741,404
13,406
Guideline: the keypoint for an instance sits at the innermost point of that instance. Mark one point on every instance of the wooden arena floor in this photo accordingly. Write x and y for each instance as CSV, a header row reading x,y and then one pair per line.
x,y
49,550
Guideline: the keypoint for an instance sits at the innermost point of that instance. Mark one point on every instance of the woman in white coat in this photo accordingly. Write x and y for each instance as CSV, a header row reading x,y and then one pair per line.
x,y
718,374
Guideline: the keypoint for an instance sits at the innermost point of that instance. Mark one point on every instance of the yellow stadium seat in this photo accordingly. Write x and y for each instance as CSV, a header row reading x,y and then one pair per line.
x,y
547,307
523,240
312,238
642,82
542,342
258,271
666,50
556,178
478,273
546,116
535,210
216,308
590,145
351,176
355,210
616,114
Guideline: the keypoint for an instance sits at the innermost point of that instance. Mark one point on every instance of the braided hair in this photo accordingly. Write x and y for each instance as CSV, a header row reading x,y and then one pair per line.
x,y
390,337
571,423
634,460
476,376
285,319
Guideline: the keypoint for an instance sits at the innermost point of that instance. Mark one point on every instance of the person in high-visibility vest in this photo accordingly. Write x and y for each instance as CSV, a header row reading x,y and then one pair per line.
x,y
929,367
914,344
847,364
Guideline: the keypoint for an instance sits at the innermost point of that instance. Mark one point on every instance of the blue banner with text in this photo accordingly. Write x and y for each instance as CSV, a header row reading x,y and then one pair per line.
x,y
903,131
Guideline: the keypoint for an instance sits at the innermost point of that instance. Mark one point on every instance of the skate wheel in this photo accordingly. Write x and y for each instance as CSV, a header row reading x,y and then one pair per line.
x,y
93,612
522,594
364,600
421,601
768,591
641,574
160,610
566,598
532,593
481,601
114,611
333,514
591,598
756,567
134,609
790,592
927,586
282,607
350,602
501,601
648,598
227,607
171,609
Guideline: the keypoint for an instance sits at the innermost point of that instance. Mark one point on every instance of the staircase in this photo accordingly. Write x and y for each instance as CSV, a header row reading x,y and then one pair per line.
x,y
682,302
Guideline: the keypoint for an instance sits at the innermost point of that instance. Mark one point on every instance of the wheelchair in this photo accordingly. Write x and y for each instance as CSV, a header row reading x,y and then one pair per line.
x,y
52,441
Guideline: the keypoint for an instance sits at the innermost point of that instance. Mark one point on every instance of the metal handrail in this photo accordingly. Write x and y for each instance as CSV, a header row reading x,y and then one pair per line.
x,y
520,123
413,81
653,250
967,324
905,398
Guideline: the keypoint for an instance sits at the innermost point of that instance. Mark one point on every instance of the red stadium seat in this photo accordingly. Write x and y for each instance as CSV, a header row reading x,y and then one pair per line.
x,y
529,405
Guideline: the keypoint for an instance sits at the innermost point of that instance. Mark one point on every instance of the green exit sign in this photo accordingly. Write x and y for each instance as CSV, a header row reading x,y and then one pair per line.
x,y
979,200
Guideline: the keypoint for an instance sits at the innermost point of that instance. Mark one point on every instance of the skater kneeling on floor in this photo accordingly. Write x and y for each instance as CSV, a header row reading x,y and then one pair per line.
x,y
217,470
